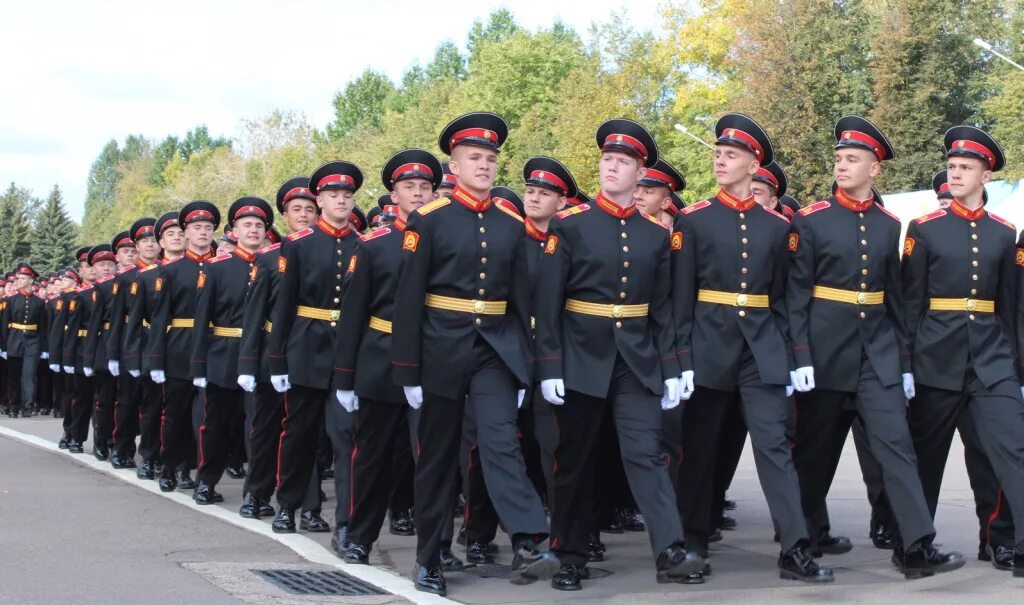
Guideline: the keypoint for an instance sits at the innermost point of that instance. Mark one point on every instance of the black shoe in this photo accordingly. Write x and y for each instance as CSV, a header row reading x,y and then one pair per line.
x,y
312,522
250,509
1001,557
798,564
533,563
727,523
168,484
235,472
13,413
101,453
631,520
567,578
716,536
116,461
339,540
595,547
430,579
28,413
728,504
58,414
614,526
266,510
883,537
449,562
63,443
402,524
676,565
44,411
185,480
477,554
205,494
925,561
828,544
158,467
1018,565
145,471
357,554
75,447
983,554
284,522
327,473
128,461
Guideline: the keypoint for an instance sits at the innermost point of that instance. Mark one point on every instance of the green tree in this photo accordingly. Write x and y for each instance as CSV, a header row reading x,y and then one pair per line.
x,y
362,102
1003,109
15,229
500,25
53,235
448,63
198,140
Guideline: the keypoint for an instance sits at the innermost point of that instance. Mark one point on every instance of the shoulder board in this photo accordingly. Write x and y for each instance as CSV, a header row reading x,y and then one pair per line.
x,y
508,209
84,288
149,268
219,258
1002,220
930,216
695,207
573,210
375,234
814,208
104,280
776,213
651,218
888,213
171,261
299,234
125,269
269,248
432,206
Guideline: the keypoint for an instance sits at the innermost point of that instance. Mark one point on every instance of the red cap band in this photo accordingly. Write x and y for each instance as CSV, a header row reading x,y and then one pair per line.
x,y
298,192
766,175
657,175
548,177
123,242
198,215
335,179
473,133
748,141
450,180
251,211
413,168
976,148
389,209
628,141
102,256
26,271
142,232
864,139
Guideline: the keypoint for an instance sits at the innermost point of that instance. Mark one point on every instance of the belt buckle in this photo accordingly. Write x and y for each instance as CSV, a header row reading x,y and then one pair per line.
x,y
741,300
862,298
479,306
616,311
335,314
972,304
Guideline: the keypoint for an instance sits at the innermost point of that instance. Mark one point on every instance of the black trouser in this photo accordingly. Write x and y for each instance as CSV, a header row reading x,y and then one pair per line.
x,y
381,429
150,411
611,488
734,437
296,457
637,417
220,410
823,423
44,386
103,410
995,519
57,387
403,469
998,417
236,435
176,442
68,394
22,371
546,429
871,471
339,426
81,409
127,414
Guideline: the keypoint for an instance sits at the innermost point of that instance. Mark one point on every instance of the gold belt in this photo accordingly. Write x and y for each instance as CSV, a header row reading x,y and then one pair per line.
x,y
605,310
145,324
83,333
25,327
106,325
462,305
315,313
851,297
268,326
962,304
734,299
182,322
227,332
381,325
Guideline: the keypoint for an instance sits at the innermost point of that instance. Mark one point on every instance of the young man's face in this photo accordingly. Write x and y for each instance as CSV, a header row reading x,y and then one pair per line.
x,y
619,173
652,200
733,165
336,204
443,191
172,240
475,167
300,213
410,194
199,234
855,168
763,194
103,269
966,176
250,232
541,203
148,249
126,256
86,272
23,282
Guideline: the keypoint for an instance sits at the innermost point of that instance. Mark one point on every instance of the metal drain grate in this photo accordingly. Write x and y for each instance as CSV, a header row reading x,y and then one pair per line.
x,y
324,583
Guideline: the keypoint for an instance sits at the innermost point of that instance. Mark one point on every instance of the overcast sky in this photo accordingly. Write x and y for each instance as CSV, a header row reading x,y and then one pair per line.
x,y
78,73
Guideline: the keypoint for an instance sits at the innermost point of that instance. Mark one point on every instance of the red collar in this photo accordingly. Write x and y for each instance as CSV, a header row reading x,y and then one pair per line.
x,y
534,231
467,200
244,255
734,202
962,211
141,264
398,223
198,257
331,230
612,208
24,292
852,203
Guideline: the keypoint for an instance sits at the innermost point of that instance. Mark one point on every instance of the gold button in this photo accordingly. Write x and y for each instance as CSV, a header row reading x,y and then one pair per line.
x,y
863,271
338,252
860,214
480,292
743,227
742,313
477,320
863,228
479,214
742,215
618,324
625,279
973,224
863,286
863,242
339,263
744,240
478,306
337,300
862,298
334,324
625,248
616,311
483,260
622,221
743,285
338,276
483,244
744,255
744,270
482,230
974,263
971,317
624,236
974,249
483,276
337,288
863,256
622,295
974,236
974,291
974,277
741,300
971,304
863,315
625,264
339,240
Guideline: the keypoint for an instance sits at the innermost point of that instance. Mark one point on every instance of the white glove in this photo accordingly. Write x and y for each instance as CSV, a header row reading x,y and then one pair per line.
x,y
792,384
247,382
69,369
134,373
686,385
115,367
670,397
414,395
908,385
89,372
804,379
55,368
44,355
552,390
157,376
519,398
280,383
3,354
348,400
199,382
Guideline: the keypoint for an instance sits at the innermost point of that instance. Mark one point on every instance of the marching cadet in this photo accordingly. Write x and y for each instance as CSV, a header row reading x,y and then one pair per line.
x,y
57,333
24,329
730,309
769,188
962,310
44,377
657,193
214,359
850,346
169,341
95,365
461,329
448,183
362,368
606,277
79,312
228,241
943,196
305,316
297,205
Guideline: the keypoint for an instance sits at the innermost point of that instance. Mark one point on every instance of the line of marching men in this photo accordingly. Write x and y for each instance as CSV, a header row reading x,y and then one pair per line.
x,y
541,347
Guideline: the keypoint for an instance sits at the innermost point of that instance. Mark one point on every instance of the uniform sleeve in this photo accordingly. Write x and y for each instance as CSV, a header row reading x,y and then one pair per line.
x,y
519,292
92,339
57,331
117,315
285,304
1008,302
407,325
684,290
799,286
896,307
914,279
777,298
355,317
4,326
206,294
254,317
131,351
549,299
44,325
159,323
70,348
660,313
